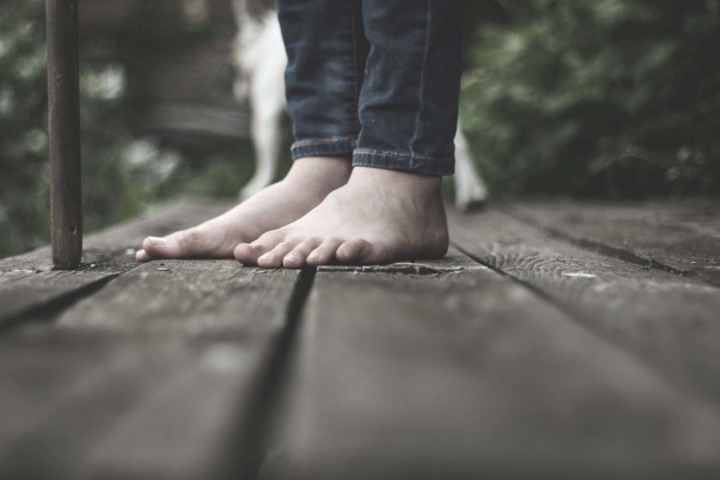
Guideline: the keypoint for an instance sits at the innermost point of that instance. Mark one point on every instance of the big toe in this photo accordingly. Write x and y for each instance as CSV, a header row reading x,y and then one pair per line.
x,y
183,244
161,247
142,256
354,251
248,253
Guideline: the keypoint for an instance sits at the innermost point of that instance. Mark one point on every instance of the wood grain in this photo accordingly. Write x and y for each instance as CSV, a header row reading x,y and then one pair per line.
x,y
29,286
668,320
36,292
112,243
170,383
186,298
461,373
88,406
683,237
163,373
549,360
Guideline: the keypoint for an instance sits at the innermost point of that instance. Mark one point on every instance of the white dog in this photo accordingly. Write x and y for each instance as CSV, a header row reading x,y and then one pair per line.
x,y
259,58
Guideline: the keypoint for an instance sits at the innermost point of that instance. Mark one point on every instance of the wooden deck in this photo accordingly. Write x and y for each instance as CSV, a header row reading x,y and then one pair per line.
x,y
557,340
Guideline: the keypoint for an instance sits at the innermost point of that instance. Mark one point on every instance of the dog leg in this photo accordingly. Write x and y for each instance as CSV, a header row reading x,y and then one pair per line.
x,y
267,137
470,189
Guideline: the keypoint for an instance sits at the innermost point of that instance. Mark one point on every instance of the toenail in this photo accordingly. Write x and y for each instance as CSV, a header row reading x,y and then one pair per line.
x,y
157,240
265,257
291,259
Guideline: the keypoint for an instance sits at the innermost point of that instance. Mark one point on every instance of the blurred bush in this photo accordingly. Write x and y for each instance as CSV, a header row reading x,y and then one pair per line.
x,y
121,173
113,185
616,98
613,98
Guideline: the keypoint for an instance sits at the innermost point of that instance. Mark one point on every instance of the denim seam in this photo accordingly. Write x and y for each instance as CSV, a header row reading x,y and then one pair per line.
x,y
340,147
390,161
311,143
421,93
361,152
356,102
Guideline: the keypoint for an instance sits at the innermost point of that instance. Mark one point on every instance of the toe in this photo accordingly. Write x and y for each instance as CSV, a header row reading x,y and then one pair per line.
x,y
354,251
325,253
274,258
298,256
172,246
194,242
142,256
249,253
155,246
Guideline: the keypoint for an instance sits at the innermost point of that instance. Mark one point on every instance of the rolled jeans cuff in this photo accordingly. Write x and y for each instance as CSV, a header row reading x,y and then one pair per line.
x,y
329,147
403,162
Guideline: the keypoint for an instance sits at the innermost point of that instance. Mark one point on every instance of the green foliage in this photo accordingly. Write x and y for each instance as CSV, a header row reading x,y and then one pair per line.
x,y
610,97
607,97
121,175
24,219
23,137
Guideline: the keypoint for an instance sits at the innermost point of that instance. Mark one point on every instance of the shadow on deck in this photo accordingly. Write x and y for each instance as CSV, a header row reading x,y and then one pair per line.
x,y
556,340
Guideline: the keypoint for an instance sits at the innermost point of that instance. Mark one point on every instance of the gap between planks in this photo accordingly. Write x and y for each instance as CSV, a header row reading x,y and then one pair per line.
x,y
458,372
683,239
669,321
165,371
174,372
30,289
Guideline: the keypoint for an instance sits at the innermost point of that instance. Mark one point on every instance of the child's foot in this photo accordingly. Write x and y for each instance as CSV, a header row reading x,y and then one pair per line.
x,y
380,216
307,183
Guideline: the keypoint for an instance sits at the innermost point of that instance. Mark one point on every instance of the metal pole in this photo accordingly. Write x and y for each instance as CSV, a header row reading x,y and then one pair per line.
x,y
64,129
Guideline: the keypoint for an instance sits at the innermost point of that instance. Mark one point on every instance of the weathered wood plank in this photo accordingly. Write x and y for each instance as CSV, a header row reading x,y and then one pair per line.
x,y
462,373
114,242
43,374
682,237
199,424
161,374
28,282
176,392
84,406
669,320
24,291
186,298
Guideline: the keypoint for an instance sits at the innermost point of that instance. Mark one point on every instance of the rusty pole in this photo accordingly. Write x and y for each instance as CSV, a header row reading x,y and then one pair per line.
x,y
64,131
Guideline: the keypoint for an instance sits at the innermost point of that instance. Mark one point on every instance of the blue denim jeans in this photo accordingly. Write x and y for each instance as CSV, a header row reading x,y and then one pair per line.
x,y
375,80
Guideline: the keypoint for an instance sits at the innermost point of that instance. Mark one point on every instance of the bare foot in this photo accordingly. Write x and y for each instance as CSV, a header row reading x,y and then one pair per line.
x,y
307,183
380,216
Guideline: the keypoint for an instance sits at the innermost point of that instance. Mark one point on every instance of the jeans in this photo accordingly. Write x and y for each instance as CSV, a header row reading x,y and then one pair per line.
x,y
377,80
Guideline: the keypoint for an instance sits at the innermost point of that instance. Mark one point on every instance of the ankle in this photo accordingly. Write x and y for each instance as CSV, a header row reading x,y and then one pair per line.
x,y
331,171
425,185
